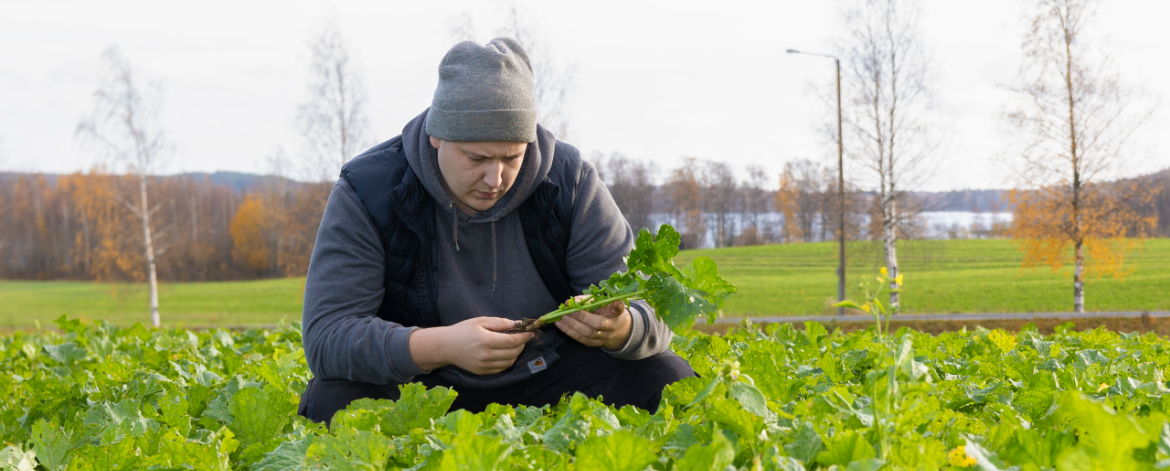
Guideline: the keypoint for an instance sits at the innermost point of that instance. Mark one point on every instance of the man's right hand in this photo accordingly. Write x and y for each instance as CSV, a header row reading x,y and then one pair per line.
x,y
476,345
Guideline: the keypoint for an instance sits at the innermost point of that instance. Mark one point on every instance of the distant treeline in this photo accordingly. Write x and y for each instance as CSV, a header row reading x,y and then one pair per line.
x,y
712,207
230,225
222,226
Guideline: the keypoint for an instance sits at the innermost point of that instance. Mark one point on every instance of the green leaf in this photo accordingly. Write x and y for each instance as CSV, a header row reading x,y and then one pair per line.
x,y
178,452
653,254
706,391
581,417
730,415
277,369
218,410
849,304
1107,439
806,444
984,461
674,303
350,450
750,398
844,448
1164,440
706,279
51,443
260,414
415,408
12,458
868,464
620,451
174,407
117,456
66,353
292,455
471,452
906,362
1034,402
115,421
813,331
775,461
713,456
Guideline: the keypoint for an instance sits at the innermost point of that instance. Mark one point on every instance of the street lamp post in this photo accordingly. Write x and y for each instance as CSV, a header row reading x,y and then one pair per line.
x,y
840,185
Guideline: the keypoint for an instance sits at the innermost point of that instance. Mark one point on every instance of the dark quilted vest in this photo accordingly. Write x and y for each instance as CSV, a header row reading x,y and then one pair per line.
x,y
404,213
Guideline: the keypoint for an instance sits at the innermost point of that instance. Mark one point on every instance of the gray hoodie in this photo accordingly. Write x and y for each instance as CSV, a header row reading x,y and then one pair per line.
x,y
482,268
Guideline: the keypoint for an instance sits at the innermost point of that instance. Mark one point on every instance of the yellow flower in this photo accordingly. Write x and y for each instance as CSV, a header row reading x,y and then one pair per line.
x,y
1102,387
865,308
958,457
1003,340
884,272
898,279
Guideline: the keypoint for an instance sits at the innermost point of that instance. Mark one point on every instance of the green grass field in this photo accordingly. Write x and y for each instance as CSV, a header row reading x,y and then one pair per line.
x,y
957,276
22,303
951,276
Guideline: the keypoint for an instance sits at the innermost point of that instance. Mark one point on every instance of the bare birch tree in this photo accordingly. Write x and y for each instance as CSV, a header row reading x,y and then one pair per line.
x,y
720,200
125,126
687,203
890,110
755,204
333,118
554,79
631,183
1072,118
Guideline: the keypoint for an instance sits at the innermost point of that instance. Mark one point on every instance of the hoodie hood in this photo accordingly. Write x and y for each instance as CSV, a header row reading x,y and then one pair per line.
x,y
423,159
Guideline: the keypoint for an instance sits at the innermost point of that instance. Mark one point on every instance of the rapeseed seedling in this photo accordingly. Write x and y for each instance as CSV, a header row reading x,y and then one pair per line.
x,y
95,396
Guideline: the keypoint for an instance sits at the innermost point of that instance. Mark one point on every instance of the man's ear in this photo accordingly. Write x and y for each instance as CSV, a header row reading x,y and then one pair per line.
x,y
435,142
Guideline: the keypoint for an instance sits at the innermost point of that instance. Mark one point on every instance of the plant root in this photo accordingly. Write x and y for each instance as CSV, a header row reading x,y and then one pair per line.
x,y
526,325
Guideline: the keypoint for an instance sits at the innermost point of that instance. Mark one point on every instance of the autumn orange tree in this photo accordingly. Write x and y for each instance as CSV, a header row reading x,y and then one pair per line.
x,y
252,229
785,203
106,244
800,199
1072,118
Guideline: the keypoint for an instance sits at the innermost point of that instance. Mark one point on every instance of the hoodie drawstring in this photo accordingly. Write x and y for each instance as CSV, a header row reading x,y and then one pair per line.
x,y
455,237
454,225
495,263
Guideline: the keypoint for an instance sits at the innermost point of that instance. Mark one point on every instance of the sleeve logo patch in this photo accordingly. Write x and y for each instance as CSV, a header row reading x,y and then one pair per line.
x,y
537,365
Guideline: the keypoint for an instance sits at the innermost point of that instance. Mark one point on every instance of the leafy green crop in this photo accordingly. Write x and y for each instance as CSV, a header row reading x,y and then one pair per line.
x,y
103,397
677,295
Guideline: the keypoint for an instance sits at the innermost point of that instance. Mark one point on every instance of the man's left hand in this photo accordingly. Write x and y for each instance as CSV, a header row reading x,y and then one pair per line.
x,y
607,327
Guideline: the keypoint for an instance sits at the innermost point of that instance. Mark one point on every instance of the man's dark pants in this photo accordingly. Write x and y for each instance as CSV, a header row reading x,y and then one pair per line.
x,y
584,369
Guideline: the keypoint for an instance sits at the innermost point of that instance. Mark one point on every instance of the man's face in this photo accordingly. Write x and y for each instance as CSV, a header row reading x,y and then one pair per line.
x,y
477,174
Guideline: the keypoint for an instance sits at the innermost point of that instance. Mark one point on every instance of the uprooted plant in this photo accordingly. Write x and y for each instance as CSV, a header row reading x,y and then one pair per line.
x,y
678,295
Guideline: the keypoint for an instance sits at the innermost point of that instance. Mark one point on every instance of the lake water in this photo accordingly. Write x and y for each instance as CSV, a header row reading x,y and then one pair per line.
x,y
928,225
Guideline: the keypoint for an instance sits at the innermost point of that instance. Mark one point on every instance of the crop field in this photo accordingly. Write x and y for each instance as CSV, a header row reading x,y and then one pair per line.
x,y
101,397
960,276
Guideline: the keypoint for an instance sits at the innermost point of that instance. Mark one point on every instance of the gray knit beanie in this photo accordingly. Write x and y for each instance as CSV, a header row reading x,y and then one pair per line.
x,y
485,93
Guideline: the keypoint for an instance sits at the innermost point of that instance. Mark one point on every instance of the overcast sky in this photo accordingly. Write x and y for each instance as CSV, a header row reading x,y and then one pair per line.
x,y
655,80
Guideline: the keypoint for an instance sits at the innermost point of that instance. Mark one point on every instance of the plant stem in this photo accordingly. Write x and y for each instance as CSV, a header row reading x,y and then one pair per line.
x,y
559,313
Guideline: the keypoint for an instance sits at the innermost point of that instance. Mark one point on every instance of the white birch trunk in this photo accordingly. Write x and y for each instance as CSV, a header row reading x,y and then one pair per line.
x,y
890,243
1078,280
144,214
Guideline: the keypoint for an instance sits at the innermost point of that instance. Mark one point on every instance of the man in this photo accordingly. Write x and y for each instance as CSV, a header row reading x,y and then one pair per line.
x,y
433,243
